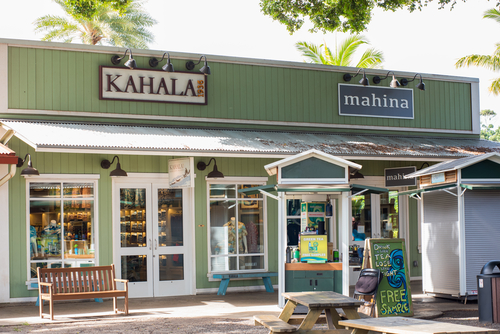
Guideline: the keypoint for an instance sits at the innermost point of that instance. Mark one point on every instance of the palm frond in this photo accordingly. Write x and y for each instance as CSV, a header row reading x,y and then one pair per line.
x,y
486,61
493,14
347,49
495,87
371,58
310,51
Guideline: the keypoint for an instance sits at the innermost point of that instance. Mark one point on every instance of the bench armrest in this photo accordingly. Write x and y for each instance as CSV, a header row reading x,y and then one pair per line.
x,y
121,280
46,284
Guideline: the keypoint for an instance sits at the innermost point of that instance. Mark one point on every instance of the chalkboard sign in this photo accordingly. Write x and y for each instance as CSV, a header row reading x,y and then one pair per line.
x,y
393,294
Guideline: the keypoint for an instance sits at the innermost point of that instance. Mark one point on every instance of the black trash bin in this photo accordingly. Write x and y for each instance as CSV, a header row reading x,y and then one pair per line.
x,y
488,293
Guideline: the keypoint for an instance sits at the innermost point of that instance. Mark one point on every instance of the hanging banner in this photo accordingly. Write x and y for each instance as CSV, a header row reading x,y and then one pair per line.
x,y
393,293
180,173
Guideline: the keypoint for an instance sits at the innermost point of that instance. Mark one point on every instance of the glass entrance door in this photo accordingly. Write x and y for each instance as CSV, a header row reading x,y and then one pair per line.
x,y
152,250
169,244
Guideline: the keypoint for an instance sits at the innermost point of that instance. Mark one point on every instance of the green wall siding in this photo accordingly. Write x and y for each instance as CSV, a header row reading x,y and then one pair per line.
x,y
44,79
312,168
486,169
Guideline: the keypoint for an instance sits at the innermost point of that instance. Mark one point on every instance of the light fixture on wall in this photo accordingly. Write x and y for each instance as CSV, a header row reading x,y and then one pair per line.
x,y
28,171
168,67
205,69
214,174
394,82
364,81
421,85
130,63
118,170
355,174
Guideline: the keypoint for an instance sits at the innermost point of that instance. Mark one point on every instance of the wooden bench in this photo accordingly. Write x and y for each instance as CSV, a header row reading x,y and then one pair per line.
x,y
276,325
266,277
79,283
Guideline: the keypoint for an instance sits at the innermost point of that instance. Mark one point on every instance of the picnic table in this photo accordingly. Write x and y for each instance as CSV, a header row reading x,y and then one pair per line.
x,y
316,302
402,325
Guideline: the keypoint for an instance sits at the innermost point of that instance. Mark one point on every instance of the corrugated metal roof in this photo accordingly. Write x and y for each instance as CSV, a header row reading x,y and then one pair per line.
x,y
453,164
52,136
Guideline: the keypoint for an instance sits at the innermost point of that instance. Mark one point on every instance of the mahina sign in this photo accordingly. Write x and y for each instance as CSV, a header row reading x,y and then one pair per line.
x,y
355,100
152,85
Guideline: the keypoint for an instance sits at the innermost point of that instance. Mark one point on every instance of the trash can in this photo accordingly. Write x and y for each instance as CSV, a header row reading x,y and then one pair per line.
x,y
488,293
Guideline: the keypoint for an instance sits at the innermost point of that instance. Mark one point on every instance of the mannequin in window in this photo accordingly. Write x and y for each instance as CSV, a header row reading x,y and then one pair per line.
x,y
242,236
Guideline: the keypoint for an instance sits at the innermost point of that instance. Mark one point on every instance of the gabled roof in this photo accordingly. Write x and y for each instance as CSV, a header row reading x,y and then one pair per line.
x,y
272,168
455,164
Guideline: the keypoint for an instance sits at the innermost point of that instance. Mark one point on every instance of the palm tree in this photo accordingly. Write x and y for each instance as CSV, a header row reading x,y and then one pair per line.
x,y
491,62
106,26
344,53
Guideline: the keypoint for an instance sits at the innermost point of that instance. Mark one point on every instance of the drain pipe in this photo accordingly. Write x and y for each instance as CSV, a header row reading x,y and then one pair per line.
x,y
5,138
8,176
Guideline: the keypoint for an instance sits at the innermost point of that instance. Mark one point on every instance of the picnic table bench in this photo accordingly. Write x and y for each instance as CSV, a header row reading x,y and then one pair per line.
x,y
402,325
266,277
79,283
316,302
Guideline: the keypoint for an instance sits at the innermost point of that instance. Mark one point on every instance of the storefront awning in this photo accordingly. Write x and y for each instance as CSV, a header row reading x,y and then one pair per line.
x,y
421,190
480,186
7,156
355,188
157,140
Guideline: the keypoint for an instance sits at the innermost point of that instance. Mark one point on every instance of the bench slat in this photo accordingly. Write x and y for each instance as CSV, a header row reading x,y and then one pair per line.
x,y
249,275
275,324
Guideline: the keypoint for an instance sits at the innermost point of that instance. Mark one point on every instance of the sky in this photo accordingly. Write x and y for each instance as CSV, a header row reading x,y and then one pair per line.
x,y
428,41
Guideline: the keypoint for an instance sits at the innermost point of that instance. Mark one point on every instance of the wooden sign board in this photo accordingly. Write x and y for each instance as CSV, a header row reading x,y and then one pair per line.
x,y
393,294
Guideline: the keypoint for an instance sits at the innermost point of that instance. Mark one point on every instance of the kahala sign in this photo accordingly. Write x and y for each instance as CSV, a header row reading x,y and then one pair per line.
x,y
395,177
368,101
118,83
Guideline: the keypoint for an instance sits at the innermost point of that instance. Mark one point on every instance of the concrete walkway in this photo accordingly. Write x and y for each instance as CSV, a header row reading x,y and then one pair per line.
x,y
231,306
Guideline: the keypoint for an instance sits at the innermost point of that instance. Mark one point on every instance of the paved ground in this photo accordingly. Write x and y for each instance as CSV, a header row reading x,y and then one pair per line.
x,y
194,314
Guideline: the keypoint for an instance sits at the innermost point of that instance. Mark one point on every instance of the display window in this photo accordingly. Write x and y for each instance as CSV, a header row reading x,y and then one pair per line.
x,y
61,225
237,228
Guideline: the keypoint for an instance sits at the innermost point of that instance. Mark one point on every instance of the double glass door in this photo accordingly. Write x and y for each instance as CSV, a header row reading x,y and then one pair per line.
x,y
376,216
151,239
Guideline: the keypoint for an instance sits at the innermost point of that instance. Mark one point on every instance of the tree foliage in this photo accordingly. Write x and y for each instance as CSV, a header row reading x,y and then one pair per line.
x,y
344,53
90,8
336,15
104,26
490,62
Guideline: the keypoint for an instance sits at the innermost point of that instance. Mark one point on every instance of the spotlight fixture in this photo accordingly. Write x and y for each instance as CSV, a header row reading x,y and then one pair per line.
x,y
130,63
214,174
394,82
421,85
28,171
168,67
205,69
364,81
118,170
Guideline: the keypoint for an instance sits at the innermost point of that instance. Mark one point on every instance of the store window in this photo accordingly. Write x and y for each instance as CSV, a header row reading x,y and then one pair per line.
x,y
237,228
362,215
389,215
293,221
61,225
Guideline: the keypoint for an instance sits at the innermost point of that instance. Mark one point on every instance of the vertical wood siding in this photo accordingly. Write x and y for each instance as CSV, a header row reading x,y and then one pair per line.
x,y
69,81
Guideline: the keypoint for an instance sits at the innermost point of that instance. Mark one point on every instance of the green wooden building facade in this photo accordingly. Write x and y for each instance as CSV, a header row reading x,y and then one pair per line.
x,y
246,114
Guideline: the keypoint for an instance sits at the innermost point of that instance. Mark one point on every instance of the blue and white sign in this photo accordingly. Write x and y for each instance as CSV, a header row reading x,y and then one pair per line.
x,y
367,101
